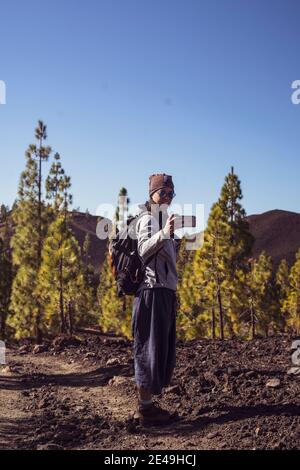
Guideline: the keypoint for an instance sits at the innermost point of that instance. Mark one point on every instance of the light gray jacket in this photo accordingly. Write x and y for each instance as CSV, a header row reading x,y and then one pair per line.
x,y
161,269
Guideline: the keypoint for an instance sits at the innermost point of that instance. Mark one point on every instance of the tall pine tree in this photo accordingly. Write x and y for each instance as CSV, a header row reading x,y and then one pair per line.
x,y
215,279
31,223
239,247
61,282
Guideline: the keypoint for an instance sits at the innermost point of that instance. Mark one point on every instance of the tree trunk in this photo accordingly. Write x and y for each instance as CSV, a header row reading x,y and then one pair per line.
x,y
38,318
61,300
38,332
220,314
70,315
62,314
267,331
252,321
213,323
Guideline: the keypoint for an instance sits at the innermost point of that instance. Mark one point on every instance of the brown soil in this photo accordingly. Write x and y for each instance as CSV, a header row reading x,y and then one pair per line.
x,y
79,395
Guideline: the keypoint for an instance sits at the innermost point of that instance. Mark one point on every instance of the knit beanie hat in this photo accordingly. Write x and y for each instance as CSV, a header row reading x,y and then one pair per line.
x,y
159,181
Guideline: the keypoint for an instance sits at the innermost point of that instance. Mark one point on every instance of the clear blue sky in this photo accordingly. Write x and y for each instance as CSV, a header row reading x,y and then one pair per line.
x,y
133,87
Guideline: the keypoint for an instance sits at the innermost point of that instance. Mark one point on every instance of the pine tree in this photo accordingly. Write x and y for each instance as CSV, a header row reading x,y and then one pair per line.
x,y
202,288
214,261
122,209
60,277
282,288
292,303
88,267
6,270
260,310
89,279
184,257
55,183
57,187
4,210
61,286
41,153
191,319
14,206
215,279
31,223
239,248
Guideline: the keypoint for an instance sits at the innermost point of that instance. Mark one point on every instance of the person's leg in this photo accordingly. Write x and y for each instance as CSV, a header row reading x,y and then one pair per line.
x,y
144,398
141,324
151,328
155,340
151,325
143,394
163,338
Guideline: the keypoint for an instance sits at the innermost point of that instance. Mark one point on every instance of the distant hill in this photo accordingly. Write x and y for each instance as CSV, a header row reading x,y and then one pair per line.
x,y
276,231
81,224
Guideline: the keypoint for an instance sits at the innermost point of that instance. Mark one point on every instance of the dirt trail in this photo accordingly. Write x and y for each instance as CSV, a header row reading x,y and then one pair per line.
x,y
48,398
80,396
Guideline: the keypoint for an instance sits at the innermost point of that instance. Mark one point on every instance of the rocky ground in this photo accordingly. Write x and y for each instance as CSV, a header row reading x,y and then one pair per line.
x,y
79,393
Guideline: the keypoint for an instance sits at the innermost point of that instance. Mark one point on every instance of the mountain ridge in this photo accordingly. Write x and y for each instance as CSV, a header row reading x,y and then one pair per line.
x,y
276,231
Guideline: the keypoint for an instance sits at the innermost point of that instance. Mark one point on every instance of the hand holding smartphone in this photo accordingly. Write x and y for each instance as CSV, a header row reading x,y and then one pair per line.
x,y
176,221
182,221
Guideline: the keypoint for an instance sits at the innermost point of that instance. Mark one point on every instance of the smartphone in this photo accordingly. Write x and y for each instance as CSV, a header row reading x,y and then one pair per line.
x,y
182,221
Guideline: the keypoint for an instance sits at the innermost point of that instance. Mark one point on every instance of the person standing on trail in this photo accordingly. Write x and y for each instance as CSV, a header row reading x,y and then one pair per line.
x,y
155,303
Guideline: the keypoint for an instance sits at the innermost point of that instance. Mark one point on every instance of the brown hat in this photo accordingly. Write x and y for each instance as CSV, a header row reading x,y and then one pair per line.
x,y
159,181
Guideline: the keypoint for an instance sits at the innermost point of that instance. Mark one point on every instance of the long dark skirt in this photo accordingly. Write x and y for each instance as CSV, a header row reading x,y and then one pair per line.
x,y
154,333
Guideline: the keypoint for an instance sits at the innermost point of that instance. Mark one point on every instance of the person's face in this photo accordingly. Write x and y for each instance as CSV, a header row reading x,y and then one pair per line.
x,y
163,196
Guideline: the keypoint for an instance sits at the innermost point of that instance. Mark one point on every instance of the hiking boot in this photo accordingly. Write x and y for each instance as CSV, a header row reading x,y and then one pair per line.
x,y
153,415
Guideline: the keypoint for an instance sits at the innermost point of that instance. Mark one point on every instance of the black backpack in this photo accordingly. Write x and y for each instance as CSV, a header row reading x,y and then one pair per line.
x,y
127,266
